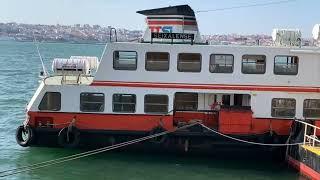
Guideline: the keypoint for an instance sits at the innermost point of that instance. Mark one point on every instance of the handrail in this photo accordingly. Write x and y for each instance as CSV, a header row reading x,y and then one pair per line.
x,y
311,125
312,139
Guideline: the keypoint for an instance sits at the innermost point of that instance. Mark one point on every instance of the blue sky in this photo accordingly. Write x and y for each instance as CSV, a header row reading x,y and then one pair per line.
x,y
302,14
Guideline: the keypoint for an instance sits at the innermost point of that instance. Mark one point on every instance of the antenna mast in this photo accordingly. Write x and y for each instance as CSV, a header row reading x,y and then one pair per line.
x,y
45,73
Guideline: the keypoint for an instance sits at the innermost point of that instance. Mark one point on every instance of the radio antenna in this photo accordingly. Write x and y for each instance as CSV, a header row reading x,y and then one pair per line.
x,y
45,73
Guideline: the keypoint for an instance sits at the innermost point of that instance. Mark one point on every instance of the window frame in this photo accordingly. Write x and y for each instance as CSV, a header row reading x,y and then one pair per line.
x,y
184,109
220,54
145,59
144,102
104,102
265,63
315,117
59,109
135,103
274,65
178,59
295,108
122,69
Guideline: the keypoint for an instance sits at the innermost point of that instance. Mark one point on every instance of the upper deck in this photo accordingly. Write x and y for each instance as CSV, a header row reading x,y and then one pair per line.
x,y
239,65
164,59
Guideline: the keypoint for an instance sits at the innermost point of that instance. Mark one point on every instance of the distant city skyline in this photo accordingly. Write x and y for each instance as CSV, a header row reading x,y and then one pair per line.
x,y
300,14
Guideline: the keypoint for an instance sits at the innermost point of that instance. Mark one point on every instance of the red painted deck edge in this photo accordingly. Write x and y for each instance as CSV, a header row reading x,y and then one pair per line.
x,y
303,169
145,122
207,86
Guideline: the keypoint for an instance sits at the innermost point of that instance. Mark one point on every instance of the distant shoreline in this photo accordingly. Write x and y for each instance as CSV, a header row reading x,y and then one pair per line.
x,y
54,42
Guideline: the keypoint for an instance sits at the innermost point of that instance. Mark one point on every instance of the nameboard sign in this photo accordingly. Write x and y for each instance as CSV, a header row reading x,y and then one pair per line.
x,y
172,36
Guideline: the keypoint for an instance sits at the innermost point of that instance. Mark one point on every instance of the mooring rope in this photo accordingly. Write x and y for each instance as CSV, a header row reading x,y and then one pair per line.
x,y
85,154
248,142
108,148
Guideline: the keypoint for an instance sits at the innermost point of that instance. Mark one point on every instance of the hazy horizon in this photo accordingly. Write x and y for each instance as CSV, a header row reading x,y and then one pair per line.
x,y
297,14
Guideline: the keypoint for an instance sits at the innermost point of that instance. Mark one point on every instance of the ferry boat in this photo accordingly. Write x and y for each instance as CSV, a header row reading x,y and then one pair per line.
x,y
171,78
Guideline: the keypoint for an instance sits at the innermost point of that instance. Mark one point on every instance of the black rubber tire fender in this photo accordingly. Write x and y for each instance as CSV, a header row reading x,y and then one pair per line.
x,y
74,137
24,142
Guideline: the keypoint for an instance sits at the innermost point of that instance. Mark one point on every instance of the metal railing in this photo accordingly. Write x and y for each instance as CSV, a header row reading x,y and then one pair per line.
x,y
310,138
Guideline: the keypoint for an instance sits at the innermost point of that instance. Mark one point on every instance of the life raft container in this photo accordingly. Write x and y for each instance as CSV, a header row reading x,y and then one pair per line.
x,y
69,137
24,135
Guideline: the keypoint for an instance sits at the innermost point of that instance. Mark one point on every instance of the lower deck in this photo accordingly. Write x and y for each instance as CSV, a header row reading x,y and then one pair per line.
x,y
135,109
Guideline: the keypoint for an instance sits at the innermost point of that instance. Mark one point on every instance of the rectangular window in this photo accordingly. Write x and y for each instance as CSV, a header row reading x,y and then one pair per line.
x,y
124,103
186,101
157,61
51,101
91,102
286,65
125,60
189,62
283,107
221,63
311,108
253,64
156,103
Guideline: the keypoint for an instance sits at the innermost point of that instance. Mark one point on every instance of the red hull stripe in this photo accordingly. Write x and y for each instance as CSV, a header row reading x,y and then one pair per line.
x,y
208,86
228,123
304,169
192,23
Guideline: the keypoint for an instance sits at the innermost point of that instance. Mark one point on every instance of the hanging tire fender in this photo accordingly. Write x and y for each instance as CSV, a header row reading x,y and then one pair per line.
x,y
69,137
23,130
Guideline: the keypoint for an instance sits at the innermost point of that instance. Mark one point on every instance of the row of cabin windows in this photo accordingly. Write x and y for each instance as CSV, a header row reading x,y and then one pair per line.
x,y
153,103
219,63
94,102
286,107
126,103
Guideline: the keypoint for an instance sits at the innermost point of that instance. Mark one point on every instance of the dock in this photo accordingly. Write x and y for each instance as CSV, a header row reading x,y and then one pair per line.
x,y
306,157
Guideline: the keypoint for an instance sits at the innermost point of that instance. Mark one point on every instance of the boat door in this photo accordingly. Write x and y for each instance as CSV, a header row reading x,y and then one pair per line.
x,y
190,106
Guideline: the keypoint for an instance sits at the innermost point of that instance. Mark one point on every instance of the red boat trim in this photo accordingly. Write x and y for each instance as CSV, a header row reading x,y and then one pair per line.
x,y
245,125
192,23
207,86
303,169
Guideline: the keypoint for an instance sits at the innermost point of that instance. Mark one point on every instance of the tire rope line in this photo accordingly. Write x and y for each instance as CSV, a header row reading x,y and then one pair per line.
x,y
85,154
43,164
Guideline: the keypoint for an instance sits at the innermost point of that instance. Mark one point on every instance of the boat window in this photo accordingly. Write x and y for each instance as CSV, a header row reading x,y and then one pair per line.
x,y
311,108
157,61
286,65
125,60
189,62
92,102
283,107
156,103
253,64
124,103
51,101
221,63
186,101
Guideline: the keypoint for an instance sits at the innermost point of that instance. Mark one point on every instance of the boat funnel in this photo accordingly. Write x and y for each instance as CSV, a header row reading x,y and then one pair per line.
x,y
176,24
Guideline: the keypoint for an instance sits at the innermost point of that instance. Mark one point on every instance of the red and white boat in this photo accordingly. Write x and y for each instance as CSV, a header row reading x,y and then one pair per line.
x,y
171,78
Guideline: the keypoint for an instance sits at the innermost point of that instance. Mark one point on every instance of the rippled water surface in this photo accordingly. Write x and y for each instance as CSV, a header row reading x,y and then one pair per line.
x,y
19,68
